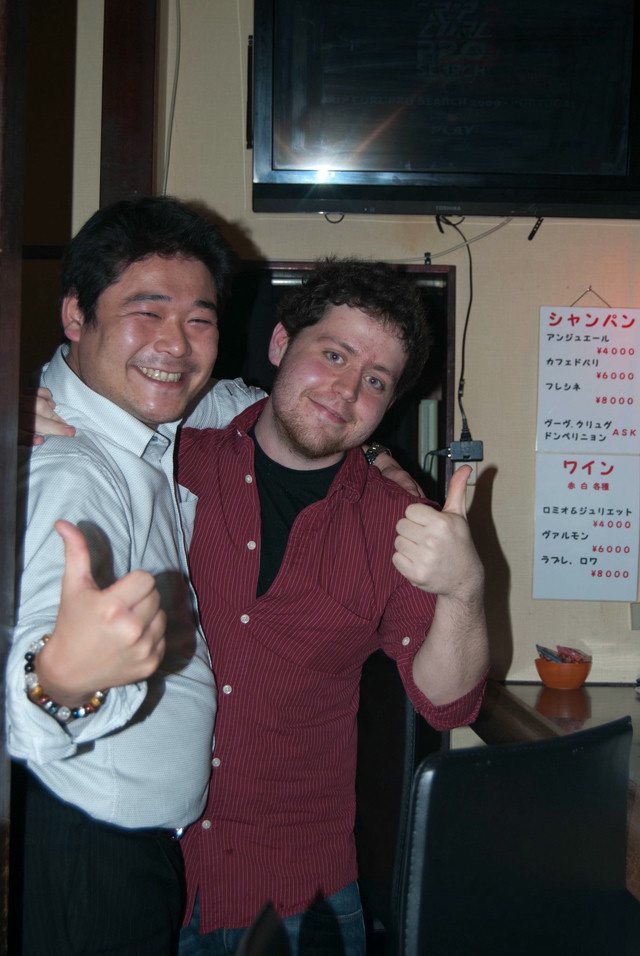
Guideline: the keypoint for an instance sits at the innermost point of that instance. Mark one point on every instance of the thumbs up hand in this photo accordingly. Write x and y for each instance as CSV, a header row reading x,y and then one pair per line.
x,y
434,549
435,552
102,638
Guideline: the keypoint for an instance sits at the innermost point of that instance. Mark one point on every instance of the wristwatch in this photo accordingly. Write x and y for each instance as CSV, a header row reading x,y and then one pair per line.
x,y
375,449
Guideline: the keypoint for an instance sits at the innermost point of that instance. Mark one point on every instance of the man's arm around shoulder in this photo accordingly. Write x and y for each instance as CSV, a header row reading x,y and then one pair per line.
x,y
220,402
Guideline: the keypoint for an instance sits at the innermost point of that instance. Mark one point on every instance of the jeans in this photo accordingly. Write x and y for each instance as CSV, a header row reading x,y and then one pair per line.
x,y
332,927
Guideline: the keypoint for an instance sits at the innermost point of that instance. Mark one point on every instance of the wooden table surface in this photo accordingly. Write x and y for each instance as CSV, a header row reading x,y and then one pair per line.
x,y
528,711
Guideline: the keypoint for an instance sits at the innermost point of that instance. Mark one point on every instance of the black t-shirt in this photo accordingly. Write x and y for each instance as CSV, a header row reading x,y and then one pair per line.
x,y
283,493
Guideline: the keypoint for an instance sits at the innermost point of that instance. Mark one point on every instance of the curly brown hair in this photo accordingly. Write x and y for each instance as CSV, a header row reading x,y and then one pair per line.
x,y
375,288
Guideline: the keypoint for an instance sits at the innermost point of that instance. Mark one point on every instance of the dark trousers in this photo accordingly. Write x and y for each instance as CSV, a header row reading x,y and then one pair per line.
x,y
91,889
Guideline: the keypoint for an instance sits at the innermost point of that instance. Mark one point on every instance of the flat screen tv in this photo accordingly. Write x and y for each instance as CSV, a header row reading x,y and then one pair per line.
x,y
447,107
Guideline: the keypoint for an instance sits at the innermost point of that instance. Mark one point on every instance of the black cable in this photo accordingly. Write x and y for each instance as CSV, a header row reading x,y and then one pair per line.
x,y
465,434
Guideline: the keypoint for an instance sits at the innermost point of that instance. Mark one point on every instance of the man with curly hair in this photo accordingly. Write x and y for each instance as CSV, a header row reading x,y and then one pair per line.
x,y
293,561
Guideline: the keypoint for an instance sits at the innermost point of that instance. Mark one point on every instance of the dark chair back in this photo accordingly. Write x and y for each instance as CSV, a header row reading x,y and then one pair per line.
x,y
519,848
392,741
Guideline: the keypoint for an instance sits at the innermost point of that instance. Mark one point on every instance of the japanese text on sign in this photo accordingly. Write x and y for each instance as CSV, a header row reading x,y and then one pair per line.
x,y
588,380
586,527
587,504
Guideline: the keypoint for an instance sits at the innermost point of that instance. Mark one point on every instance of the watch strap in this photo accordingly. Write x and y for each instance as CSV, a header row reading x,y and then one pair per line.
x,y
375,449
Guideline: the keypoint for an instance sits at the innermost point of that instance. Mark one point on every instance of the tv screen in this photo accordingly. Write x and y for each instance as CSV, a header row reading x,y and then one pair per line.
x,y
454,107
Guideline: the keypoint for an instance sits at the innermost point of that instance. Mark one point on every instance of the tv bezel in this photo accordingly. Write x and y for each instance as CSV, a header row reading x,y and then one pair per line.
x,y
430,194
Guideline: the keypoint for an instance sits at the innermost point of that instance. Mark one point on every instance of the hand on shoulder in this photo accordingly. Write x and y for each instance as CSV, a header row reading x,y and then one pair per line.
x,y
37,418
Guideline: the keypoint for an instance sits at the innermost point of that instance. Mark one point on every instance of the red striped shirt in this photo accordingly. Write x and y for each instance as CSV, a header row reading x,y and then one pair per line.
x,y
279,819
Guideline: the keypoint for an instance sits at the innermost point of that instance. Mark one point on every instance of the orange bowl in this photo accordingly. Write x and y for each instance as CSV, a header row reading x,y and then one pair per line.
x,y
562,676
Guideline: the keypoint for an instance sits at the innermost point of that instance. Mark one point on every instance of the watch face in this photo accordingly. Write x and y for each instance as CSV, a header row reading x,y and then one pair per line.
x,y
374,450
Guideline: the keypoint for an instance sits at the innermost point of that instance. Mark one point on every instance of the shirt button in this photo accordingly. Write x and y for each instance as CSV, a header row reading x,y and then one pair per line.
x,y
248,479
227,689
216,762
251,545
406,640
245,618
206,824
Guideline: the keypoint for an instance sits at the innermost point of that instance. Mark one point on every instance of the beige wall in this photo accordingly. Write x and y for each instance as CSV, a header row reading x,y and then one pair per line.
x,y
88,111
512,279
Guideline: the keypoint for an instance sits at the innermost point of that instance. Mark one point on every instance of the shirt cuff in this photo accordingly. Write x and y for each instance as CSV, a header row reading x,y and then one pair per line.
x,y
459,712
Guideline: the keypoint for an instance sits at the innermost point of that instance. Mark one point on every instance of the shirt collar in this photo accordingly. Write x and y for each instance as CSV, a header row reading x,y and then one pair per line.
x,y
351,478
79,405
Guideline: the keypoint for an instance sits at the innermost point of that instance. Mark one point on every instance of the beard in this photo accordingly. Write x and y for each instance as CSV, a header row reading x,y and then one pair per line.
x,y
297,437
298,432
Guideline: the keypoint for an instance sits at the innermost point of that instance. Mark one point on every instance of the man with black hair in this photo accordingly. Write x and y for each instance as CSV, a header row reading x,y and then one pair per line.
x,y
110,695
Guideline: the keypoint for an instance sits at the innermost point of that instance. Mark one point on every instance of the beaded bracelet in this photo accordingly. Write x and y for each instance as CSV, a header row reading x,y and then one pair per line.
x,y
38,696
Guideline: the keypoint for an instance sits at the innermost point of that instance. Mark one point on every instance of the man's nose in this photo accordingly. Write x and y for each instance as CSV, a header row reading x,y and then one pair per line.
x,y
347,384
172,338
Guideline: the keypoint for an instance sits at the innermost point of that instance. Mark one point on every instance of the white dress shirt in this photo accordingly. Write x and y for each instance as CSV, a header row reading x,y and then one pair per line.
x,y
144,758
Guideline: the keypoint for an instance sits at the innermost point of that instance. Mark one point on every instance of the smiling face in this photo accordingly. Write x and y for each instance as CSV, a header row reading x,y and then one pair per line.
x,y
335,381
154,340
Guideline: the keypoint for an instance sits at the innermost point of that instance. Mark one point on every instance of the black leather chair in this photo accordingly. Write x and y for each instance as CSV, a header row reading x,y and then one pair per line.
x,y
520,848
392,741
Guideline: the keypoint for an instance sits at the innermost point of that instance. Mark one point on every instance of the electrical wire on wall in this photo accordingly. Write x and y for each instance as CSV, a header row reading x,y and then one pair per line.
x,y
466,449
465,242
465,434
172,107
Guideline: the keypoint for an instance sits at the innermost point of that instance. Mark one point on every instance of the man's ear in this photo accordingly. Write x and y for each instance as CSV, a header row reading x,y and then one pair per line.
x,y
72,317
278,344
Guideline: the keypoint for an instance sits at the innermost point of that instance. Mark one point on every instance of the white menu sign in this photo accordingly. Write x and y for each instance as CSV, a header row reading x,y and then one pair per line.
x,y
586,527
587,530
589,380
